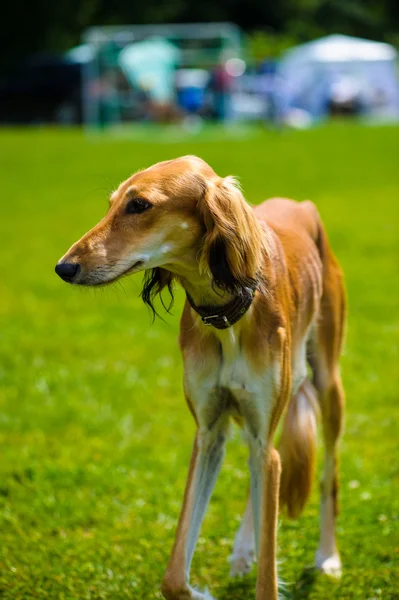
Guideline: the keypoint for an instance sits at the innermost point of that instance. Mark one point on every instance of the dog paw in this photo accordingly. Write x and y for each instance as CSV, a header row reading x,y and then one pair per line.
x,y
197,595
329,565
241,562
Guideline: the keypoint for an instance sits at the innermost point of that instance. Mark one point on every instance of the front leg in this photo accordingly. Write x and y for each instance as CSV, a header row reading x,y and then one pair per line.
x,y
265,478
205,465
265,471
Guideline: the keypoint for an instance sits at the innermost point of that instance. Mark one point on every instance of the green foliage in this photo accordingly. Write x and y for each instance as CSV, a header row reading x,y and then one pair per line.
x,y
269,45
95,436
43,26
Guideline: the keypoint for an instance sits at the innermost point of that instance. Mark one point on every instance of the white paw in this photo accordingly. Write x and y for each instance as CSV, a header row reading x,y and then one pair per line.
x,y
241,562
329,565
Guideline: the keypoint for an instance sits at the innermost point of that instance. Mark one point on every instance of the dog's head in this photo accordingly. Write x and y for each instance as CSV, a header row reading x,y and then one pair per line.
x,y
174,216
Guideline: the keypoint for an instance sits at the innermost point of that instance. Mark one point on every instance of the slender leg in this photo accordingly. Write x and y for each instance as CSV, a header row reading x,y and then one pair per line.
x,y
256,461
324,355
265,477
204,468
265,468
327,556
244,546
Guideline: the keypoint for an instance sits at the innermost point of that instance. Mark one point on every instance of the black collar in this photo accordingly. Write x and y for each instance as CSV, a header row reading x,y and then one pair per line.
x,y
226,315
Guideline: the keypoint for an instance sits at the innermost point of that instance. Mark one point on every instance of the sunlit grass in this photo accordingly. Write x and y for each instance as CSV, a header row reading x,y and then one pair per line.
x,y
95,436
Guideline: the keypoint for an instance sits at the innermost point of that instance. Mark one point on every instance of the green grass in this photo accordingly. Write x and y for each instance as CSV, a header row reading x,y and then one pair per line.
x,y
95,436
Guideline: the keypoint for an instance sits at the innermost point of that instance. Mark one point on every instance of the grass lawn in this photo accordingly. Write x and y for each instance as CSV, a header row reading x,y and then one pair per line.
x,y
95,436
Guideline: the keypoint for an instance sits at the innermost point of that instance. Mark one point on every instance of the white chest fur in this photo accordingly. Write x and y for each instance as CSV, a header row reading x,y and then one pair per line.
x,y
230,385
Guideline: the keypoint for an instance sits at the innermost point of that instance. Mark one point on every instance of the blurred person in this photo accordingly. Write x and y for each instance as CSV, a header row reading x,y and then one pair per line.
x,y
220,85
345,97
269,86
150,64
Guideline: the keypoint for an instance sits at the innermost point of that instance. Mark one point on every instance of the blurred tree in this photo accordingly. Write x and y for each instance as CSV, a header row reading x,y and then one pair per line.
x,y
48,26
42,26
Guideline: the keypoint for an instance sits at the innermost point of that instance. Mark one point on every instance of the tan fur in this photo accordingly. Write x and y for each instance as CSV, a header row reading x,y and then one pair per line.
x,y
228,216
297,448
267,577
174,585
200,231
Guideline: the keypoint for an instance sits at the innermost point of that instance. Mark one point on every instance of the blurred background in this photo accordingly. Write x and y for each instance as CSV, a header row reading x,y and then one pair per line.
x,y
298,98
110,64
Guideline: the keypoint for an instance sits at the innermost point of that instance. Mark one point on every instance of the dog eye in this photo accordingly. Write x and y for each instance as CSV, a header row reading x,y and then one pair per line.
x,y
137,206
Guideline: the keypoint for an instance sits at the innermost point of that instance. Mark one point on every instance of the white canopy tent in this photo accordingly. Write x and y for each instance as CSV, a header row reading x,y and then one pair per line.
x,y
340,69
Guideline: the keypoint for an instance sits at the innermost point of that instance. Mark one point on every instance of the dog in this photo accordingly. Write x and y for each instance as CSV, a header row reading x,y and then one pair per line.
x,y
261,335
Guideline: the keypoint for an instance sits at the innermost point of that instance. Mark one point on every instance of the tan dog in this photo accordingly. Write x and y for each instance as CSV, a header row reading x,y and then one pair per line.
x,y
265,299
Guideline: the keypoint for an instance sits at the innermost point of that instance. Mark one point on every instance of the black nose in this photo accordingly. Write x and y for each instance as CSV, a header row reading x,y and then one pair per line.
x,y
67,271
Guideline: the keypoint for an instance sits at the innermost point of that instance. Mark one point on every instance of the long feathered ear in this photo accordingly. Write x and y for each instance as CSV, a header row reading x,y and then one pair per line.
x,y
235,244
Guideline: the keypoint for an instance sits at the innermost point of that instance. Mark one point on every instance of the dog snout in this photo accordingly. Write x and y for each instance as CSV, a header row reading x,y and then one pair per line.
x,y
67,271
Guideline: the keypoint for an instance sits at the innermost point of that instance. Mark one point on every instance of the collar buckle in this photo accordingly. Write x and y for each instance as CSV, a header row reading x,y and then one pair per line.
x,y
206,319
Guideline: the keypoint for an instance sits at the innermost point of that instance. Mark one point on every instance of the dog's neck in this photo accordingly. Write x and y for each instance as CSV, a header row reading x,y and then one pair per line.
x,y
198,285
203,291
